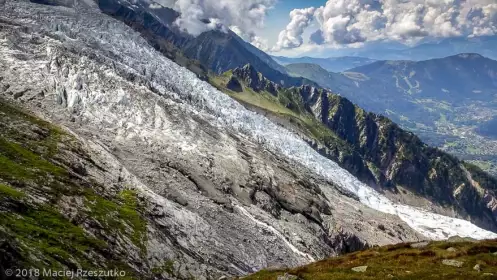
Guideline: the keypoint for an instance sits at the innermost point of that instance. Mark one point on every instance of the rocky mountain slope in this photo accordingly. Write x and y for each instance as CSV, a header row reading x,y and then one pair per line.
x,y
374,149
455,259
215,50
449,102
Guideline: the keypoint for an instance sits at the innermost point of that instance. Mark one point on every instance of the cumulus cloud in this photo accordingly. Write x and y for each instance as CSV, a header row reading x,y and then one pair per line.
x,y
291,37
244,17
345,22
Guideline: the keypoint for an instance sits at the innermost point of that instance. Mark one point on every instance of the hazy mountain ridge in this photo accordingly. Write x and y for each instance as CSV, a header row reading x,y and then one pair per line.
x,y
454,78
332,64
426,50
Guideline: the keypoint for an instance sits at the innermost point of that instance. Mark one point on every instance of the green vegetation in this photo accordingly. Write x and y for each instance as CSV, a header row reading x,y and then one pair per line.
x,y
401,262
288,106
262,100
121,217
6,191
167,267
50,238
19,163
36,191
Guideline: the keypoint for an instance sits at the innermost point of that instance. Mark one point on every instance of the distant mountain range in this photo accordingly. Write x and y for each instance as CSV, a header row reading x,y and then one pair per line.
x,y
450,102
484,45
333,64
139,165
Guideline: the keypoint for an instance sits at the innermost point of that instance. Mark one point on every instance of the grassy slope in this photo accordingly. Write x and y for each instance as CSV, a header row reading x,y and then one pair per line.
x,y
34,180
298,117
401,262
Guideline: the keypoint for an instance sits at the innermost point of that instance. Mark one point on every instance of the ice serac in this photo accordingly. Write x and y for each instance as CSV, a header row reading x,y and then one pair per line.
x,y
227,191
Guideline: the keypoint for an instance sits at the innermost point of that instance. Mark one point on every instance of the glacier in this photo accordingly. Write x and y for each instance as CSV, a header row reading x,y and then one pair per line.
x,y
195,96
273,137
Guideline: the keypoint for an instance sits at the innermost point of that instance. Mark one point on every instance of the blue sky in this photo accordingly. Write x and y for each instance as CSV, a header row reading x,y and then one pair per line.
x,y
278,18
343,24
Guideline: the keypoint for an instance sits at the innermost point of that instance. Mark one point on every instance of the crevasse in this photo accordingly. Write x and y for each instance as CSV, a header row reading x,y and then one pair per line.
x,y
273,137
231,114
174,82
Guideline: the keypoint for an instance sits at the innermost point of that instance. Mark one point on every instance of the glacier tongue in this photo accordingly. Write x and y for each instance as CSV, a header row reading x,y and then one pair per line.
x,y
177,83
273,137
231,114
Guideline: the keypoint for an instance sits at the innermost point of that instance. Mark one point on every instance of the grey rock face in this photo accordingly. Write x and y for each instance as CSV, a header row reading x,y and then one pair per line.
x,y
234,85
217,203
66,3
477,267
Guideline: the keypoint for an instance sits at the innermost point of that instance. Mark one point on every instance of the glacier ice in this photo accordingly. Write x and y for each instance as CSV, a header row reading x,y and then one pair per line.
x,y
135,56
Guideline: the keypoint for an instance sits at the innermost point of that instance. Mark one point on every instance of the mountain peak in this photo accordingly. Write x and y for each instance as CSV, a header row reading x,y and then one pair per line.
x,y
250,68
253,79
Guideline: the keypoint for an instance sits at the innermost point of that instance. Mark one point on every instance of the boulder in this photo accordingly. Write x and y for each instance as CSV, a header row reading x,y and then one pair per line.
x,y
451,249
287,277
453,263
420,244
360,268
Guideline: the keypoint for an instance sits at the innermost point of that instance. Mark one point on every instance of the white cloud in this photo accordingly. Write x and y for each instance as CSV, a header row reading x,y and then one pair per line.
x,y
244,17
291,37
345,22
251,37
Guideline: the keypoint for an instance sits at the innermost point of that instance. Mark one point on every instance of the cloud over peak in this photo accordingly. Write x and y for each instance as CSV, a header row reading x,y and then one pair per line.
x,y
346,22
244,17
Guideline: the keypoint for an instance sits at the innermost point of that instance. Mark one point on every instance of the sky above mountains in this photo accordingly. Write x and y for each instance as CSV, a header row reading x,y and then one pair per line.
x,y
292,27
